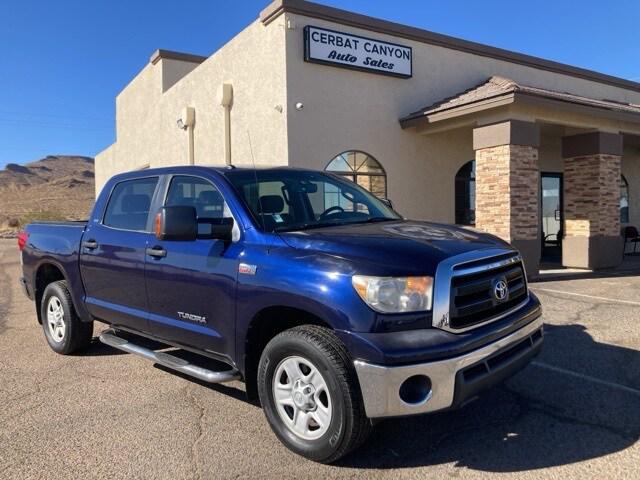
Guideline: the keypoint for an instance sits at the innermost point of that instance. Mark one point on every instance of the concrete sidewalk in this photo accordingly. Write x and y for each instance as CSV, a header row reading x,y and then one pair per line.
x,y
551,272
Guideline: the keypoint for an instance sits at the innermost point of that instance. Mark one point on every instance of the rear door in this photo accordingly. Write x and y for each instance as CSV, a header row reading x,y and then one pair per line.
x,y
112,255
192,287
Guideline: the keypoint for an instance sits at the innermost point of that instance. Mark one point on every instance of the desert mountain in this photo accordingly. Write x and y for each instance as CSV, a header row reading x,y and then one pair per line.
x,y
54,188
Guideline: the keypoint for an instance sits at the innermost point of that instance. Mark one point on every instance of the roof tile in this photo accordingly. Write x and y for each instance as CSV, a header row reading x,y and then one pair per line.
x,y
497,86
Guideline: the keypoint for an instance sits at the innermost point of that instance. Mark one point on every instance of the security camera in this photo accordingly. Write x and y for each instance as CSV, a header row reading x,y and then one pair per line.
x,y
181,124
299,106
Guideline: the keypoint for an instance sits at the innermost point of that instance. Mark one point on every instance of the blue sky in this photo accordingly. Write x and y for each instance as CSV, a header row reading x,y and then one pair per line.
x,y
63,62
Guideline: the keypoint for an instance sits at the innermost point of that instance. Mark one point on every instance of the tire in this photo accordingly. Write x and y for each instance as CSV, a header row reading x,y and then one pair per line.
x,y
330,414
63,329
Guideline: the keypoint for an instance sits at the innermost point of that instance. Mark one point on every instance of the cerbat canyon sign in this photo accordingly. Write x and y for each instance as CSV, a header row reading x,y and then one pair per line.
x,y
352,51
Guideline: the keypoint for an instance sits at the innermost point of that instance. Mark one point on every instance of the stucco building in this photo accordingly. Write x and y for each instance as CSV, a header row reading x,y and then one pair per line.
x,y
542,154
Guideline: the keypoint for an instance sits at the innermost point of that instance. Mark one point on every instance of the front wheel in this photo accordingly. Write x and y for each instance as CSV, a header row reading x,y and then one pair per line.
x,y
309,390
63,329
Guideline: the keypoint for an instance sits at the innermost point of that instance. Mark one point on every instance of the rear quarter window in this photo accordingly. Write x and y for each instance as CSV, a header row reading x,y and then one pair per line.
x,y
129,204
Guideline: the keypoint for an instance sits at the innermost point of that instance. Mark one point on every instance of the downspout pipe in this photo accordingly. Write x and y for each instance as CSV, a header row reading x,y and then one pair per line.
x,y
191,142
225,98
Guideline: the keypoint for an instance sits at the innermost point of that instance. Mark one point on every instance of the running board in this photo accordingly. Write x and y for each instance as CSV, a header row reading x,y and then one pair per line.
x,y
170,361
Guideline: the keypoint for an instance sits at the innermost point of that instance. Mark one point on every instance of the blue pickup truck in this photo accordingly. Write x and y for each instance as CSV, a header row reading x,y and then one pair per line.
x,y
332,309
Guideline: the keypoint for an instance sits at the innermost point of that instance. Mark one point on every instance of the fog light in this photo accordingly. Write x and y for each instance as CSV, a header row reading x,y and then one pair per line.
x,y
416,389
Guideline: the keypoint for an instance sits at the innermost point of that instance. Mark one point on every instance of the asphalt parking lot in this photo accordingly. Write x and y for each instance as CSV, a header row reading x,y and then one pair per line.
x,y
573,413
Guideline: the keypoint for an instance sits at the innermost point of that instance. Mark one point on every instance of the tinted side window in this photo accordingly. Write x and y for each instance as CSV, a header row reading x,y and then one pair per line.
x,y
128,207
199,193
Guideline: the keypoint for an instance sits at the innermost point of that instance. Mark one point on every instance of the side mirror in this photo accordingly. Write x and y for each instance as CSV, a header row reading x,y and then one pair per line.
x,y
387,202
178,223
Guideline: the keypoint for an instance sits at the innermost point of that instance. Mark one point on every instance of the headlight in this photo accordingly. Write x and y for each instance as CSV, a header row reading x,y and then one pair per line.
x,y
395,294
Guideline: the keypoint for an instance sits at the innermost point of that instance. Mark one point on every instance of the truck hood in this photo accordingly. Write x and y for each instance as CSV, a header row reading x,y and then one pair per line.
x,y
393,248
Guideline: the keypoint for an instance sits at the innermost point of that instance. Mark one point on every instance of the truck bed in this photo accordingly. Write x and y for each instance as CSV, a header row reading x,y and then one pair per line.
x,y
57,243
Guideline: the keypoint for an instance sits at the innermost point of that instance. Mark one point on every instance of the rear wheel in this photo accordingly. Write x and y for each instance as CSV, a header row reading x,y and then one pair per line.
x,y
310,394
63,329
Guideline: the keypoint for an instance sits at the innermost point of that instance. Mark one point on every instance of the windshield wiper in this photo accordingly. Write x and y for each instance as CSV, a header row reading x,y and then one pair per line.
x,y
306,226
311,226
377,219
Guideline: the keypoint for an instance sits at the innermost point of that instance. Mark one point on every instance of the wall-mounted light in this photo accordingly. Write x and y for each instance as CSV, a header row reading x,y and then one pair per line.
x,y
187,118
187,121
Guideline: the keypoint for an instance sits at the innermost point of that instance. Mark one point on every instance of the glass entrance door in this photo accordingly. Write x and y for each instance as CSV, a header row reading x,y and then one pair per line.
x,y
552,216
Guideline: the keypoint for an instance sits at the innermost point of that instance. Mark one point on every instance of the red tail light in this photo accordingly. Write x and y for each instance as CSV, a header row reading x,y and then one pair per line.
x,y
22,240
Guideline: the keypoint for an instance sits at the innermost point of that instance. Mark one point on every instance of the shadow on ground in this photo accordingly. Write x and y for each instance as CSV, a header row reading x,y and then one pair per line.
x,y
98,349
540,418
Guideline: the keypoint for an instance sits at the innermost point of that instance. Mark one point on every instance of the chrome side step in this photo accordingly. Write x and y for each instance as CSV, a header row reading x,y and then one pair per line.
x,y
169,361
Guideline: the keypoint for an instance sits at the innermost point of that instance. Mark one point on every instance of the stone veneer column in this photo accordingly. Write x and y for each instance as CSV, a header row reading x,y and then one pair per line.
x,y
507,186
592,200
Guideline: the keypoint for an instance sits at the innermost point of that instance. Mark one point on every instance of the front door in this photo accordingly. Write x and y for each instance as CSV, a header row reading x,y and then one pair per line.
x,y
552,217
191,289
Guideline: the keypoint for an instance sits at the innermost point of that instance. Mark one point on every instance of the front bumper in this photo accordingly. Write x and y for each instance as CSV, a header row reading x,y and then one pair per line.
x,y
453,380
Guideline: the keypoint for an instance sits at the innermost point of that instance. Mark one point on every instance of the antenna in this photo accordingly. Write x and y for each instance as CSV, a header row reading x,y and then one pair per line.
x,y
255,174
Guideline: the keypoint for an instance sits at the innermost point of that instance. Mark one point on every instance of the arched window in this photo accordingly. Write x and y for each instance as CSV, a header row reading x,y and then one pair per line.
x,y
465,192
361,168
624,200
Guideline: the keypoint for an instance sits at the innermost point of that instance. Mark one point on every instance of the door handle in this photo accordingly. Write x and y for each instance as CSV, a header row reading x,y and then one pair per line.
x,y
157,252
90,244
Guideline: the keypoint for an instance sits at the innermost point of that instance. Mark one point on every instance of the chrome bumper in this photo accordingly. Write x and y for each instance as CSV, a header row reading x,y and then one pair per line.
x,y
380,385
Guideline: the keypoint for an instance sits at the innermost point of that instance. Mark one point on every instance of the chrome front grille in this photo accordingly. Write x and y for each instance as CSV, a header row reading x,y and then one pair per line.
x,y
466,296
473,300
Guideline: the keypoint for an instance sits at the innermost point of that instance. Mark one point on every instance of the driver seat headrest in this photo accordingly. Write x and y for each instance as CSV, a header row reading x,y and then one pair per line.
x,y
271,203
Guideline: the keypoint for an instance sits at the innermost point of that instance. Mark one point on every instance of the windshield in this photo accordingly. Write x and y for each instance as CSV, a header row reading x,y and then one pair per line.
x,y
288,200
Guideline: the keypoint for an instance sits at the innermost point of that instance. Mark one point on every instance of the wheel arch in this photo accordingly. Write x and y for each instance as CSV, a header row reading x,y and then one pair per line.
x,y
266,324
46,273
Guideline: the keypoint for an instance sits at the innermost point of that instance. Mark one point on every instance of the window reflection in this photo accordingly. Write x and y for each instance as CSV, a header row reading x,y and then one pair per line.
x,y
624,200
465,192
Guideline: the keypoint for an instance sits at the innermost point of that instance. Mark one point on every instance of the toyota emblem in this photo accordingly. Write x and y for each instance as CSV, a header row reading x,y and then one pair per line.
x,y
500,290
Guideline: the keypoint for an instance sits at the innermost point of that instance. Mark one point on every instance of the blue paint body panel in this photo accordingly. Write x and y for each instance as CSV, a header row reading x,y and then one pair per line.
x,y
120,284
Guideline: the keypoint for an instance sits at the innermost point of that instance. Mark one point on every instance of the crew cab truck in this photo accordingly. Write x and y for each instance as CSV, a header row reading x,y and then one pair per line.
x,y
333,309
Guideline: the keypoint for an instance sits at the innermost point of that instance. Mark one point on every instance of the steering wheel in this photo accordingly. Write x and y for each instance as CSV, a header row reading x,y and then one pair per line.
x,y
330,210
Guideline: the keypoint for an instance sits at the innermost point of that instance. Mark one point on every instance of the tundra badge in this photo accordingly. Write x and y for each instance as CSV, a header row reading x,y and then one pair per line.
x,y
191,317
